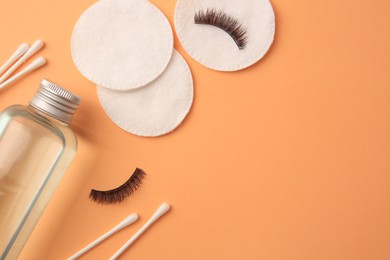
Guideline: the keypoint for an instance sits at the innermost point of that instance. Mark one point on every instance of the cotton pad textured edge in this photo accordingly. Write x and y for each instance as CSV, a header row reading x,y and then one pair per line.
x,y
121,44
213,47
155,109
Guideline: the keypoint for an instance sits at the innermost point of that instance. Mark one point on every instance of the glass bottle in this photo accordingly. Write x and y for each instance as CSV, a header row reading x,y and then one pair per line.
x,y
36,147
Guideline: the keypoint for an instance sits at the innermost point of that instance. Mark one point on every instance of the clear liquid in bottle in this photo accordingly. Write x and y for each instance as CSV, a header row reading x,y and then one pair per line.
x,y
36,146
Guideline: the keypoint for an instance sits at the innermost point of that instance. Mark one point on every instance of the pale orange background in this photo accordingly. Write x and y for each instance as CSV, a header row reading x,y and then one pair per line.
x,y
288,159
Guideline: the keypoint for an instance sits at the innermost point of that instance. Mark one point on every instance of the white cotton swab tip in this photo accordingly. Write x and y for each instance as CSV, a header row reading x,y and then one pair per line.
x,y
16,55
39,62
159,213
124,223
36,46
127,221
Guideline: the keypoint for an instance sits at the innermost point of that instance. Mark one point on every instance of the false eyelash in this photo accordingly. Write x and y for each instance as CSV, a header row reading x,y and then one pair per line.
x,y
225,22
120,193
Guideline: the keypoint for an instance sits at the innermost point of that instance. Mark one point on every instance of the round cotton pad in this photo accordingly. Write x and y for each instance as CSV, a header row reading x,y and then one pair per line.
x,y
212,45
156,108
122,44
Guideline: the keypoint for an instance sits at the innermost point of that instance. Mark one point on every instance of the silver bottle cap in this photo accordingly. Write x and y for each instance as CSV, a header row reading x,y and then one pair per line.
x,y
55,101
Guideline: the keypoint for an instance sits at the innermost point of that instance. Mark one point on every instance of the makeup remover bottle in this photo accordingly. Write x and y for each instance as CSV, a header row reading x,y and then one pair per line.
x,y
36,147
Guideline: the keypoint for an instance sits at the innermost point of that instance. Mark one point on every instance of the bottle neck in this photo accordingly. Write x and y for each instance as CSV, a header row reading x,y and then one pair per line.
x,y
55,101
46,115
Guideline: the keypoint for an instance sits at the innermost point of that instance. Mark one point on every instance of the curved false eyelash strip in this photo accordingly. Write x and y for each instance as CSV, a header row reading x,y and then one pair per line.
x,y
120,193
225,22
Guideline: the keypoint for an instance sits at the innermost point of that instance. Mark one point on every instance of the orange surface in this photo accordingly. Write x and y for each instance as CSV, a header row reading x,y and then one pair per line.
x,y
288,159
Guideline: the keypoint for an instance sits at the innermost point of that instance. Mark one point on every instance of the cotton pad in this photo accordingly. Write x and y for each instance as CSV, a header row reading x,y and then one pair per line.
x,y
155,109
122,44
212,46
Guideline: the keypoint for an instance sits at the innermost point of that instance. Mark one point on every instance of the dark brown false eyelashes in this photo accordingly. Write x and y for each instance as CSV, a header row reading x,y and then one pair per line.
x,y
120,193
225,22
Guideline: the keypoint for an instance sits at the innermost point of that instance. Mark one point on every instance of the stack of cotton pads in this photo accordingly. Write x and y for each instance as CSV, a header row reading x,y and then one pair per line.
x,y
126,48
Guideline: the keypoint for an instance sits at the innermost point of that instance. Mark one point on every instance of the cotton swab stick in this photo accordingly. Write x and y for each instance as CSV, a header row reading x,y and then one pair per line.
x,y
40,61
127,221
37,45
159,213
16,55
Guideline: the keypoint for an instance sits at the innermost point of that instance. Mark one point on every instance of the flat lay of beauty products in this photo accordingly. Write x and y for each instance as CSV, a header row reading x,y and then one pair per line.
x,y
194,130
144,85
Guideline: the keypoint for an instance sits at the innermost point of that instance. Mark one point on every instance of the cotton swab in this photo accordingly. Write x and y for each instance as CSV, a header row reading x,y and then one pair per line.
x,y
36,46
127,221
40,61
159,213
16,55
